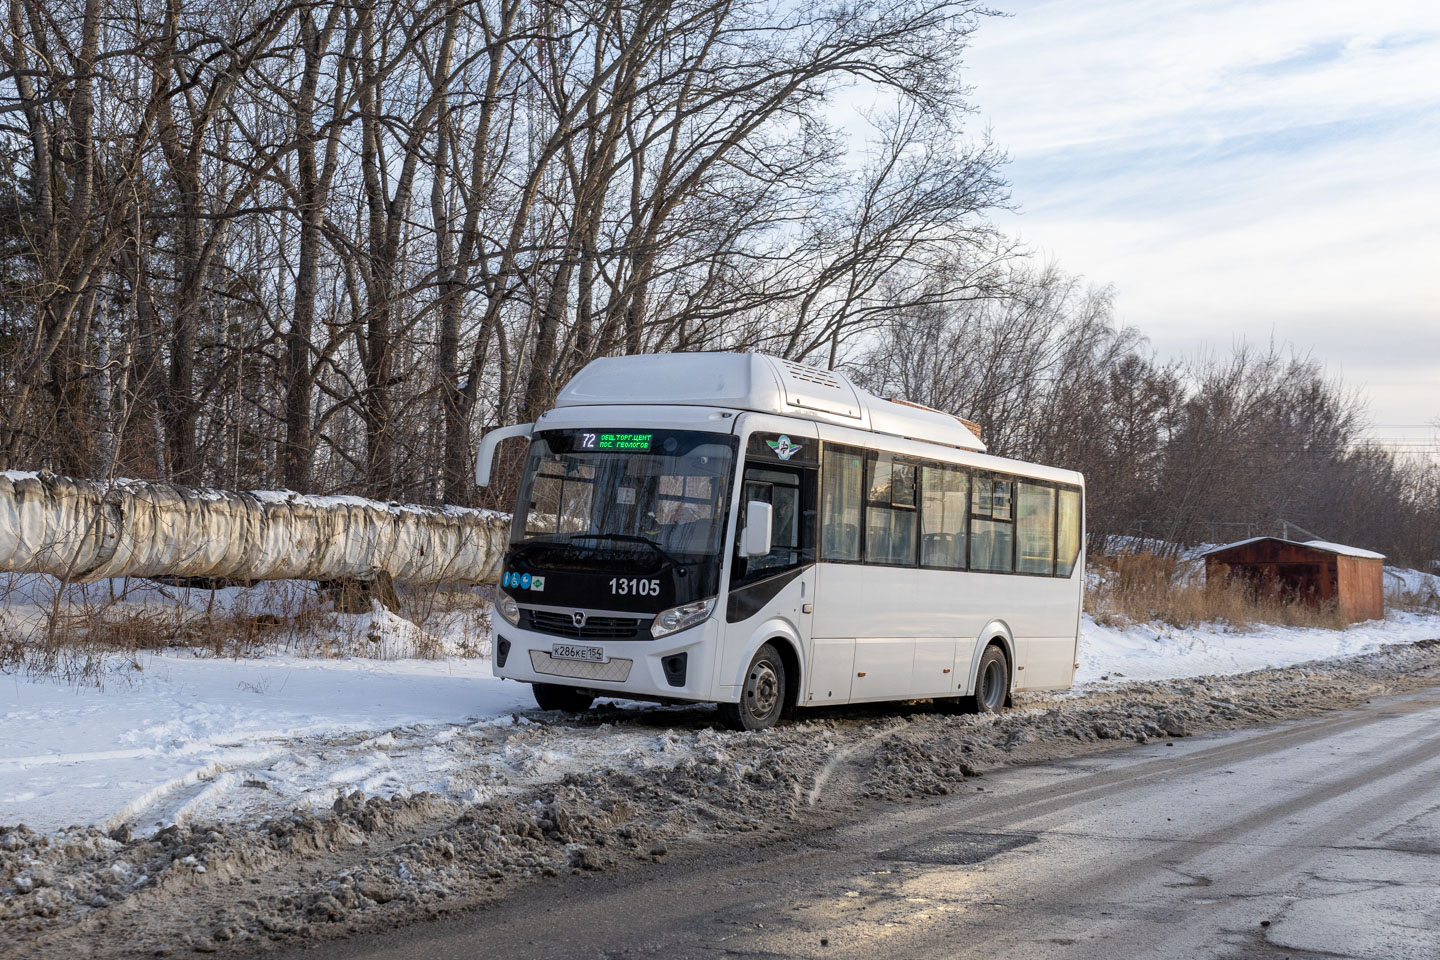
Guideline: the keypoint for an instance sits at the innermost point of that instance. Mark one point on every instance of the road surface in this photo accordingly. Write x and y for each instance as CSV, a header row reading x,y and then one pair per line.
x,y
1308,840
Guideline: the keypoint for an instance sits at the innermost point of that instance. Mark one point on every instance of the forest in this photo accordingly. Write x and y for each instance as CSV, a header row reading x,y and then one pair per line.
x,y
325,246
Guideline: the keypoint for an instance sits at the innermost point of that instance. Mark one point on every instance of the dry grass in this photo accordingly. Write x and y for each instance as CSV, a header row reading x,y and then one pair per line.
x,y
78,632
1147,588
75,631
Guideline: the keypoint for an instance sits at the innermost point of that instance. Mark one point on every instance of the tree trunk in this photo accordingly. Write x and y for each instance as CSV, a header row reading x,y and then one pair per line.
x,y
299,445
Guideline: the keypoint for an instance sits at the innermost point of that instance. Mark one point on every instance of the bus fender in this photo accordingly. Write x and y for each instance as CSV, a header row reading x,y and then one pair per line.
x,y
993,631
776,630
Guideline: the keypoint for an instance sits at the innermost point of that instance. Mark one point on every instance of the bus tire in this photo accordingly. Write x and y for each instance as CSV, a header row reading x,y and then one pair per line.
x,y
552,696
992,683
762,698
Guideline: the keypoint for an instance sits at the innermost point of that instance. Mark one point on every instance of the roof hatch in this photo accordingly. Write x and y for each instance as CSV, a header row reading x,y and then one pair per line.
x,y
816,389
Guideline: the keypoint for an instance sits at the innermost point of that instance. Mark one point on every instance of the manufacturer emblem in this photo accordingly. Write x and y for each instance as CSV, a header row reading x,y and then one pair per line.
x,y
783,448
579,617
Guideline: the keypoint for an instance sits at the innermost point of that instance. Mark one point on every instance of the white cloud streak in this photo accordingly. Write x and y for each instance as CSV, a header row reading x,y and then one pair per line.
x,y
1257,168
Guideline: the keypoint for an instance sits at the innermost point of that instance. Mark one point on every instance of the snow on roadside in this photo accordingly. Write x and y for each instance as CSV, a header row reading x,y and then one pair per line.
x,y
161,743
1157,652
197,738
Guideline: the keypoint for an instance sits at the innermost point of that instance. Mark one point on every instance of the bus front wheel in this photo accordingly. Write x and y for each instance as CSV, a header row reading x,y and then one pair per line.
x,y
762,699
552,696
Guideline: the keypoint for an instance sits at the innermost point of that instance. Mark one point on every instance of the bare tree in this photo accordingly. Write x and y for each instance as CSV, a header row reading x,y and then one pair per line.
x,y
322,243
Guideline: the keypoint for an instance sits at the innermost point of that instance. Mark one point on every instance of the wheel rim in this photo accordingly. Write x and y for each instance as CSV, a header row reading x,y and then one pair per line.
x,y
992,687
762,690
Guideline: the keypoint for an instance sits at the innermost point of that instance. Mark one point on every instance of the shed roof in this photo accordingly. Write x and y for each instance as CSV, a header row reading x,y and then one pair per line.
x,y
1344,550
1324,545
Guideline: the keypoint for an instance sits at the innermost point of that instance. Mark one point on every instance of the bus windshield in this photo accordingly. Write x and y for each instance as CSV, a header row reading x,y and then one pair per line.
x,y
624,500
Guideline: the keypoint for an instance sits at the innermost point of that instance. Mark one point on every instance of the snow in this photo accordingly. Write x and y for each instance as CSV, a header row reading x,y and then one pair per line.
x,y
1157,652
20,591
175,735
1326,545
1344,550
320,502
1411,581
163,741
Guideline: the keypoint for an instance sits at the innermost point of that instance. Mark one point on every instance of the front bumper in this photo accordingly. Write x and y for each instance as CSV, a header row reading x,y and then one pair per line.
x,y
632,667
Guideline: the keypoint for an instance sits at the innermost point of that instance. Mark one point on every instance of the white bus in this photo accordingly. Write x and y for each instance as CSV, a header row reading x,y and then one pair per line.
x,y
745,530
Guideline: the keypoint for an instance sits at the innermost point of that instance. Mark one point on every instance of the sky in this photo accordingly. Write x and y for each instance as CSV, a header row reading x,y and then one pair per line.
x,y
1256,169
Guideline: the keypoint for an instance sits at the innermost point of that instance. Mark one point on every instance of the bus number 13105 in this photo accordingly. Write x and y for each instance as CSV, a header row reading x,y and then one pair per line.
x,y
621,586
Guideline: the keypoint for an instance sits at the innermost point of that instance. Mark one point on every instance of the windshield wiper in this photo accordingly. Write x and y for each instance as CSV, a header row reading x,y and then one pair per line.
x,y
631,538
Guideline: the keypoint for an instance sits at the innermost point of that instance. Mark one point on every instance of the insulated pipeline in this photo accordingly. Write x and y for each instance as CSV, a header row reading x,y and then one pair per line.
x,y
85,530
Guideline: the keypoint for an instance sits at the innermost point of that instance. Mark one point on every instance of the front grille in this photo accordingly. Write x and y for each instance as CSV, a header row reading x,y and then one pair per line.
x,y
616,670
596,628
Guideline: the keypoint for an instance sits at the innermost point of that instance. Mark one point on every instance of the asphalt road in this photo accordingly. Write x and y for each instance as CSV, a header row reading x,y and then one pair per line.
x,y
1313,839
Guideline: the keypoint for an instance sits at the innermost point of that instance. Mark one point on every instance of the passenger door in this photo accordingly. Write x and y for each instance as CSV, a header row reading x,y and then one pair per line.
x,y
781,469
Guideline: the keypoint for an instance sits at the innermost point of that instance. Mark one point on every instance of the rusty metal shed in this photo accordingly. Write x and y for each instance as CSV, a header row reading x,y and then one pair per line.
x,y
1314,571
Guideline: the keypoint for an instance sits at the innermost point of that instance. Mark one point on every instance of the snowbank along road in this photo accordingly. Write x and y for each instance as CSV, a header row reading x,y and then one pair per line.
x,y
368,864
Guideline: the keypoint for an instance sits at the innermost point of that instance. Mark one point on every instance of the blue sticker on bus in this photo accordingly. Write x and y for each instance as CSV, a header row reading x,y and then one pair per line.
x,y
525,581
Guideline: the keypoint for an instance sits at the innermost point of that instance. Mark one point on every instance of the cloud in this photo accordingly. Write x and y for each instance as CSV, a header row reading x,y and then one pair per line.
x,y
1236,168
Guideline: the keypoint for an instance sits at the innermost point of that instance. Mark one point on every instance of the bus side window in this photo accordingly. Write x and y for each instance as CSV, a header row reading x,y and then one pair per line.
x,y
1035,529
890,516
1067,539
944,495
992,534
840,499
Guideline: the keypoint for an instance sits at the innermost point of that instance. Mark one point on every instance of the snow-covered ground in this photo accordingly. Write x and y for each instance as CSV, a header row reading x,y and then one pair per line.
x,y
177,736
187,736
1158,652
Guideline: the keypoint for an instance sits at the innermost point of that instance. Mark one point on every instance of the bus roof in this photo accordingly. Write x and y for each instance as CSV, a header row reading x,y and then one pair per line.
x,y
764,384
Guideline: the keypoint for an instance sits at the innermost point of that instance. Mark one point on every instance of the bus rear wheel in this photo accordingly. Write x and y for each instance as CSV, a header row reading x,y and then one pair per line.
x,y
762,699
552,696
992,683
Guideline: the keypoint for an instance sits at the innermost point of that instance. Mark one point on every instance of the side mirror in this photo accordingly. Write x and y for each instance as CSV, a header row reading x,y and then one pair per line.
x,y
759,529
485,456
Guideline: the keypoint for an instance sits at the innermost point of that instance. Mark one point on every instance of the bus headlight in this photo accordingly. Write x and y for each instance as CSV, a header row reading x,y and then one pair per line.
x,y
506,606
681,618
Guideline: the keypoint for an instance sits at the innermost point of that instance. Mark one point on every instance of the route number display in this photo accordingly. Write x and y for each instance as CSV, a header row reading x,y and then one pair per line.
x,y
616,441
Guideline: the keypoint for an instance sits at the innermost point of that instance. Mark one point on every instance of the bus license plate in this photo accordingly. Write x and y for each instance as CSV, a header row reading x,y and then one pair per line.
x,y
574,651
